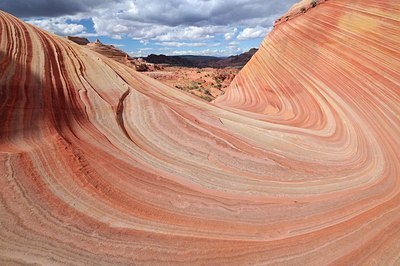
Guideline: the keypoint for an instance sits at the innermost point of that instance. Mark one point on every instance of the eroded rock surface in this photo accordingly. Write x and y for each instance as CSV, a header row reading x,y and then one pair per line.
x,y
297,164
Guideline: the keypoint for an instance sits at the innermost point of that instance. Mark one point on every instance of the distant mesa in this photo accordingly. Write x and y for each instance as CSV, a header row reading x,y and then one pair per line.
x,y
202,61
172,60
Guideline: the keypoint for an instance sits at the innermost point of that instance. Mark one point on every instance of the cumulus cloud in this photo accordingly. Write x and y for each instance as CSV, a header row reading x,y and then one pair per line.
x,y
252,33
142,52
58,26
174,22
182,44
191,33
158,19
229,35
187,44
205,52
186,20
201,12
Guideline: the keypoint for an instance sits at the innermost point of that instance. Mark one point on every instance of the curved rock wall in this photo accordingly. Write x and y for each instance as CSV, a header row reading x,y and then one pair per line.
x,y
297,163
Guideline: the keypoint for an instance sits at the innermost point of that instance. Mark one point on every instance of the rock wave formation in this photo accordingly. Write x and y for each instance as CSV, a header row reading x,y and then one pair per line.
x,y
297,163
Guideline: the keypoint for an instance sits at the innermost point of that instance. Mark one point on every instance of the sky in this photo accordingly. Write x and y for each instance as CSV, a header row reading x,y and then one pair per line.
x,y
171,27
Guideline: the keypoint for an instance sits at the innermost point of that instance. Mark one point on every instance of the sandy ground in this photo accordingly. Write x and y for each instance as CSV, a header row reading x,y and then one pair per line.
x,y
207,83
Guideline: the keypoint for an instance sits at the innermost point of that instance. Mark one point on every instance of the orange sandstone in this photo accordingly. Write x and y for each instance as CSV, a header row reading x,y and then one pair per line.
x,y
298,163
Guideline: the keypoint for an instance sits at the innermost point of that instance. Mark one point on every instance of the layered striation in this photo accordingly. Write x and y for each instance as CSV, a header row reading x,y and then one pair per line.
x,y
297,163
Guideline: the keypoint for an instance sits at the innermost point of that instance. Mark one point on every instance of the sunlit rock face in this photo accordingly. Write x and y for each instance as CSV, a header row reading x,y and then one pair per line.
x,y
297,164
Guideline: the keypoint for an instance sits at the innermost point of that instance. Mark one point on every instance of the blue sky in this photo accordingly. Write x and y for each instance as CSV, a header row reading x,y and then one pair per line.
x,y
142,27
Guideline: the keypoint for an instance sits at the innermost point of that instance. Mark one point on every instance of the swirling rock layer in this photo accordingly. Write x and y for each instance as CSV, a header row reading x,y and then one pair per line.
x,y
298,163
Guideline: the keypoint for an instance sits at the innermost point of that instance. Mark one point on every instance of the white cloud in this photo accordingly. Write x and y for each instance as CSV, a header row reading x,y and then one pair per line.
x,y
141,52
229,35
58,26
189,33
187,44
117,45
205,52
182,44
253,33
170,21
86,35
173,23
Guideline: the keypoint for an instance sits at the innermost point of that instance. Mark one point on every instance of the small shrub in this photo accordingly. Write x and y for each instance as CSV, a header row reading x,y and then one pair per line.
x,y
206,97
194,86
314,3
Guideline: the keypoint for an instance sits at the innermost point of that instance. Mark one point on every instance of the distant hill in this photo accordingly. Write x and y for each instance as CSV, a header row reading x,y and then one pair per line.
x,y
202,61
236,60
169,60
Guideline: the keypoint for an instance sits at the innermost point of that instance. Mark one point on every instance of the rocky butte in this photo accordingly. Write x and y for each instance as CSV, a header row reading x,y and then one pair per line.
x,y
298,163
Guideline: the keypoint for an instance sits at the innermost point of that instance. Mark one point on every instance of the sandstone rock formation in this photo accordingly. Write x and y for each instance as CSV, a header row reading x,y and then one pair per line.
x,y
297,164
78,40
118,55
112,52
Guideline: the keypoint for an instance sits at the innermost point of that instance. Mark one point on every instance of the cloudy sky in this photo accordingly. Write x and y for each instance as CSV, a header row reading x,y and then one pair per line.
x,y
142,27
